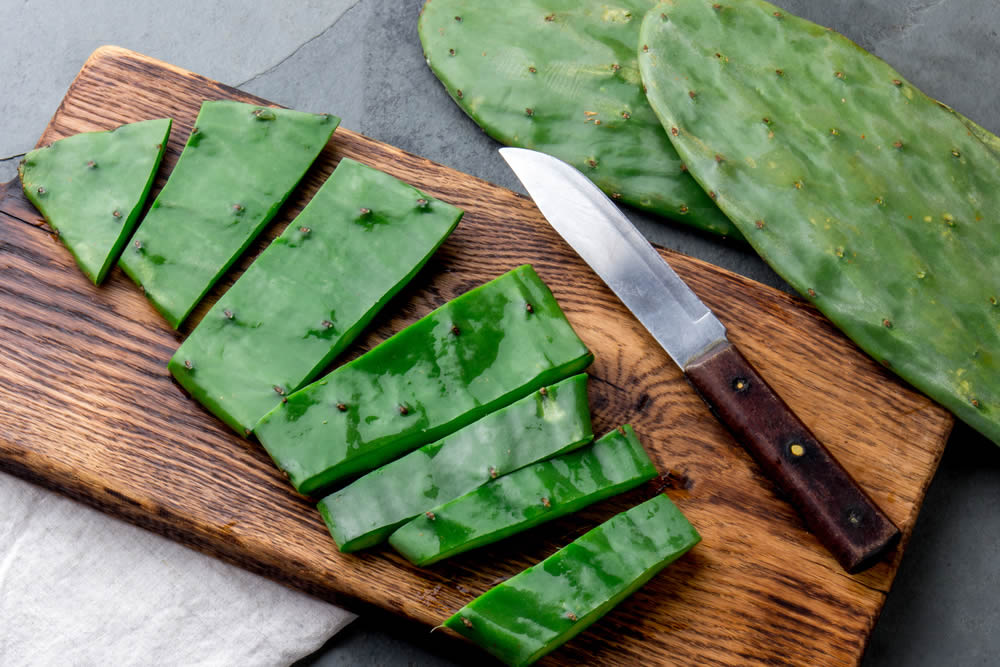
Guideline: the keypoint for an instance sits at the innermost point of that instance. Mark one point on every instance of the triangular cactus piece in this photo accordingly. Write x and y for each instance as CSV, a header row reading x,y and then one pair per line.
x,y
238,167
90,188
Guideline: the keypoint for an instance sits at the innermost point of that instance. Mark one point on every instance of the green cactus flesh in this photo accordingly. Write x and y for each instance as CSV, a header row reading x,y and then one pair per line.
x,y
240,163
560,76
361,238
991,140
543,424
526,498
867,196
90,188
483,350
539,609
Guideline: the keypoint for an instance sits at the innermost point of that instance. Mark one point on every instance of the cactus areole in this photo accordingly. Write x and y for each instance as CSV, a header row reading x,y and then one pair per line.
x,y
425,382
546,605
871,199
560,76
90,188
310,293
526,498
240,163
536,427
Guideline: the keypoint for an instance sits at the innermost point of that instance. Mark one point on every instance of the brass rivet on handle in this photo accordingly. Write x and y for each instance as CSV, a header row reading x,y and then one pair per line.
x,y
796,449
741,384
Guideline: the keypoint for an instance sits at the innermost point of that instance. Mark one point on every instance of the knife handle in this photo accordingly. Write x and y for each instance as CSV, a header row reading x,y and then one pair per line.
x,y
838,511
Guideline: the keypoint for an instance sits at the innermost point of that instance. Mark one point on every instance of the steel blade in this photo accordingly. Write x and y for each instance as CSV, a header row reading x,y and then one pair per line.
x,y
601,234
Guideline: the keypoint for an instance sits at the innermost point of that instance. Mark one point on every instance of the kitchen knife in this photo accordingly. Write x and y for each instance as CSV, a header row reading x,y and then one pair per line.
x,y
836,509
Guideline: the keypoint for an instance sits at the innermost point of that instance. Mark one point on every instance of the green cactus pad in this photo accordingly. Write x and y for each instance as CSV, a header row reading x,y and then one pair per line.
x,y
240,163
539,609
362,237
540,425
867,196
477,353
991,140
90,188
560,76
526,498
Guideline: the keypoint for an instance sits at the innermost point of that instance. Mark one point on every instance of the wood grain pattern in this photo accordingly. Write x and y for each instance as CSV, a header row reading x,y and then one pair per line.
x,y
91,411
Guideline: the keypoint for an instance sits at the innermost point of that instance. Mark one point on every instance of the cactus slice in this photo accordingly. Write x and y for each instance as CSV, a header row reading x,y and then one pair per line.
x,y
239,165
866,195
541,608
526,498
310,293
425,382
90,188
561,76
536,427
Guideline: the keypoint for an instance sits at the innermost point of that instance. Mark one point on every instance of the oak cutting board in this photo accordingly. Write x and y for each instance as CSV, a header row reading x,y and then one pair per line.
x,y
91,411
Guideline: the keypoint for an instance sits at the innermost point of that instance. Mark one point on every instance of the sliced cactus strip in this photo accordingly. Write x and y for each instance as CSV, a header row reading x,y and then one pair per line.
x,y
560,76
869,198
543,424
475,354
526,498
546,605
361,238
239,165
90,188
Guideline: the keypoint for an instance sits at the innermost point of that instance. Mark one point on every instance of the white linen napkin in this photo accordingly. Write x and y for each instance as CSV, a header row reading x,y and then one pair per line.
x,y
78,587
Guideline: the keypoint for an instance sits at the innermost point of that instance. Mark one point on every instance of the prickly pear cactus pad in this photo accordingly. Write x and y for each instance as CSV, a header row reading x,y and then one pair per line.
x,y
90,188
240,163
560,76
869,198
549,422
479,352
541,608
360,239
991,140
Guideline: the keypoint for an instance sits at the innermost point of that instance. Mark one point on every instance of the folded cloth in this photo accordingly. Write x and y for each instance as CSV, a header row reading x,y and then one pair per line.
x,y
78,587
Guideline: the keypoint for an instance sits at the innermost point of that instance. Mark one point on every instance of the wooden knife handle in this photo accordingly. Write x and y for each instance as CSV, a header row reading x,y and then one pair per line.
x,y
835,508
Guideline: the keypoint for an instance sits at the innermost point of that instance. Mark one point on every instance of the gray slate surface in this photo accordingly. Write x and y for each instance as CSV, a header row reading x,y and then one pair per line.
x,y
362,61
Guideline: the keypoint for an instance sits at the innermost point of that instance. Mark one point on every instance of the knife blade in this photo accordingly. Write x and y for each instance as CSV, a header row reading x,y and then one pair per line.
x,y
835,508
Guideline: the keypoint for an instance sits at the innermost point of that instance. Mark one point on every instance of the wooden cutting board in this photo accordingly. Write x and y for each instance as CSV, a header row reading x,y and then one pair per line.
x,y
91,411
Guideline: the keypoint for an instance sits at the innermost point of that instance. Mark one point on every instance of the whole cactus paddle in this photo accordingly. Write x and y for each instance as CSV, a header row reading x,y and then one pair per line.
x,y
90,188
560,76
868,197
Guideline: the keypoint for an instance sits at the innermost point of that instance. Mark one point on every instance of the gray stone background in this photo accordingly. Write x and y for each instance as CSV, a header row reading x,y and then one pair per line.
x,y
361,60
